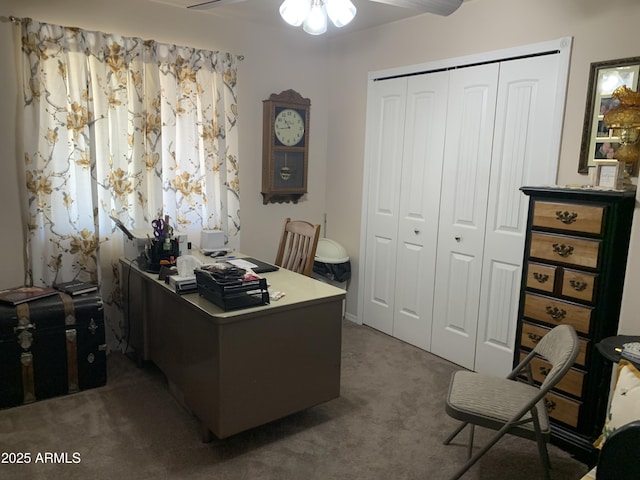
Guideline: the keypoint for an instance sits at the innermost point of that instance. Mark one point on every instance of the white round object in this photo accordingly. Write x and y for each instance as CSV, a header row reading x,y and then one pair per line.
x,y
330,251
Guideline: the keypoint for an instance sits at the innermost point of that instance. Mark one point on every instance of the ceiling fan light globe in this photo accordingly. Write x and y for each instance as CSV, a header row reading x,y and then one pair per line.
x,y
316,21
294,12
341,12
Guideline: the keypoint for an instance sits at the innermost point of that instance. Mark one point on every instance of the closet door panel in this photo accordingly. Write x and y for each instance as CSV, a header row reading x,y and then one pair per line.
x,y
383,254
465,185
457,330
498,305
383,150
525,113
419,206
409,302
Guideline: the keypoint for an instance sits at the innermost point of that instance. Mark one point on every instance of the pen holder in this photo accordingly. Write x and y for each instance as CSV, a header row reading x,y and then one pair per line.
x,y
159,253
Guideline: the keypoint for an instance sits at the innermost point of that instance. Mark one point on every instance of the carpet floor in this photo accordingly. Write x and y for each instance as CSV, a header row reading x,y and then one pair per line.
x,y
388,423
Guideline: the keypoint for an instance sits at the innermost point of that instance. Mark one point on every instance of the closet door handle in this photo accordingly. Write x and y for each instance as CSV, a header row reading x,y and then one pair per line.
x,y
416,231
458,238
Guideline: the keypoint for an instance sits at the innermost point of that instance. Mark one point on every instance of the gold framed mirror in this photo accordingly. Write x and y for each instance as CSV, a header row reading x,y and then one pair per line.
x,y
598,141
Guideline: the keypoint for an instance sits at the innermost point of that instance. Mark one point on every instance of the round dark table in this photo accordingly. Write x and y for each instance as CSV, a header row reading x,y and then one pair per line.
x,y
611,347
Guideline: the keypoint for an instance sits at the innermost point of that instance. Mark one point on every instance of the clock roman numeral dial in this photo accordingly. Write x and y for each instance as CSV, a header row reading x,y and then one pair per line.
x,y
289,127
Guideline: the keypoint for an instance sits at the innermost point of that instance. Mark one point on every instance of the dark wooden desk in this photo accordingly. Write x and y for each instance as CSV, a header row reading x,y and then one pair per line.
x,y
240,369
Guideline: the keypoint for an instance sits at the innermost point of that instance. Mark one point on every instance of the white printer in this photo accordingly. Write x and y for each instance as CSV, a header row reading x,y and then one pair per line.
x,y
134,246
212,240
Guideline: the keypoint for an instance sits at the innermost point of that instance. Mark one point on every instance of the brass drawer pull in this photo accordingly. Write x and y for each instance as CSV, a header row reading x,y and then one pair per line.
x,y
556,313
550,405
541,277
562,249
577,285
535,338
566,217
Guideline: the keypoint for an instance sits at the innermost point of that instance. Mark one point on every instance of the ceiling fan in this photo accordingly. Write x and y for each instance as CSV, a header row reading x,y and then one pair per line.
x,y
438,7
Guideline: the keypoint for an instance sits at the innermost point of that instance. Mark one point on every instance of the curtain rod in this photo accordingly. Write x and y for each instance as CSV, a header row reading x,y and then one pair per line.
x,y
11,19
17,21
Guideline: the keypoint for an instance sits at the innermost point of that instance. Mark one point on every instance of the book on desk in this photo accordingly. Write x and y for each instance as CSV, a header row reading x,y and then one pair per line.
x,y
18,295
76,287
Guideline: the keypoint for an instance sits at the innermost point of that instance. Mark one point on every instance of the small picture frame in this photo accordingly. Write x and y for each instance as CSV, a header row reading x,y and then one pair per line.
x,y
609,174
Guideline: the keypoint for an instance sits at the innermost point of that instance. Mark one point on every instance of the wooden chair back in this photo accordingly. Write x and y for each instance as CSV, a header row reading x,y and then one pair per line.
x,y
298,245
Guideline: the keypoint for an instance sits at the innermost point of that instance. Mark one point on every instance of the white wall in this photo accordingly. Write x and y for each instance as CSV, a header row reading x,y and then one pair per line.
x,y
601,31
333,74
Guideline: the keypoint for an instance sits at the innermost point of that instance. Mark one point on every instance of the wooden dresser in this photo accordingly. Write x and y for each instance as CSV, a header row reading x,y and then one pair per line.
x,y
573,273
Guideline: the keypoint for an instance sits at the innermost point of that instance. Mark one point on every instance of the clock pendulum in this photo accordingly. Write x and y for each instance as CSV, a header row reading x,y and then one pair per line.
x,y
285,172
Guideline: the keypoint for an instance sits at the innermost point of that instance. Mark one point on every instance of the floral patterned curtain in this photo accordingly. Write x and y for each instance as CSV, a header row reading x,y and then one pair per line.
x,y
123,127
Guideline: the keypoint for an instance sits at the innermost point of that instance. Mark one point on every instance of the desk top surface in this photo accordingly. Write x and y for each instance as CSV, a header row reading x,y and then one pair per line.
x,y
298,289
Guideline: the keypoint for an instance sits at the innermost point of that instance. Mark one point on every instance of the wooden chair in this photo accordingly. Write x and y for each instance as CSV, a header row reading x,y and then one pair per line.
x,y
298,245
508,405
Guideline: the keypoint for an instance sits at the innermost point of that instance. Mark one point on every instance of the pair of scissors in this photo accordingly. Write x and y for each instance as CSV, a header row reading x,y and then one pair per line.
x,y
158,228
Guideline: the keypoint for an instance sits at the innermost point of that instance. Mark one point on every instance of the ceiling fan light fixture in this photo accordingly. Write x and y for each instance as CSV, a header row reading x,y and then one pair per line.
x,y
294,12
341,12
316,21
312,14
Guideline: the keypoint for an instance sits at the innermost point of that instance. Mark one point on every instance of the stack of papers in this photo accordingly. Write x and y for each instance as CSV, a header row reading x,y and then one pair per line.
x,y
631,351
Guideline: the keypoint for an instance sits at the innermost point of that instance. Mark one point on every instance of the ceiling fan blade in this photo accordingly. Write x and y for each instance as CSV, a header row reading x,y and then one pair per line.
x,y
439,7
212,3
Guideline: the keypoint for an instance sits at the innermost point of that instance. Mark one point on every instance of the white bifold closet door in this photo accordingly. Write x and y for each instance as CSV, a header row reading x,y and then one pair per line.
x,y
446,153
404,152
465,192
500,141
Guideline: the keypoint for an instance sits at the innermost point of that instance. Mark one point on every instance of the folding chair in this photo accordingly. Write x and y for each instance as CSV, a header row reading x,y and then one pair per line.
x,y
508,405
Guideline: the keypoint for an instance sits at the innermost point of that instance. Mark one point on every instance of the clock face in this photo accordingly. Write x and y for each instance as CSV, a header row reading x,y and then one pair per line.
x,y
289,127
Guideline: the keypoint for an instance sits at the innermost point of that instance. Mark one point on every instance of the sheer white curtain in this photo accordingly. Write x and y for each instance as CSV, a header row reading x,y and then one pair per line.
x,y
125,127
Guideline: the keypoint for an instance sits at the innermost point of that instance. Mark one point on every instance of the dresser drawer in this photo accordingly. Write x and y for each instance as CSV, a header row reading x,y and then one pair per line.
x,y
541,277
531,335
578,285
567,216
571,383
563,409
558,248
557,312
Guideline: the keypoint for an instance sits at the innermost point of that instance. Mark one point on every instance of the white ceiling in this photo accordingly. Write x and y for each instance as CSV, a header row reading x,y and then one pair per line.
x,y
369,14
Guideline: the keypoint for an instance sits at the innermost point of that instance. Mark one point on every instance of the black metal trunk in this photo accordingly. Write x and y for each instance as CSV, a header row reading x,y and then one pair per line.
x,y
50,347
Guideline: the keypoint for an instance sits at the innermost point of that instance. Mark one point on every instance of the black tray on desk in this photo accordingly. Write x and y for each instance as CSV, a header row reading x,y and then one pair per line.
x,y
232,294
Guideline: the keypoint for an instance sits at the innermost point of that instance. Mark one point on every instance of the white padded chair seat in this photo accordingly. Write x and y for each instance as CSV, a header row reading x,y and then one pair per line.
x,y
485,395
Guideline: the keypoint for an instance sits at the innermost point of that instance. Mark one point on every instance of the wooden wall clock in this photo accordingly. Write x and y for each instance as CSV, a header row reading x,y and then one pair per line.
x,y
285,147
